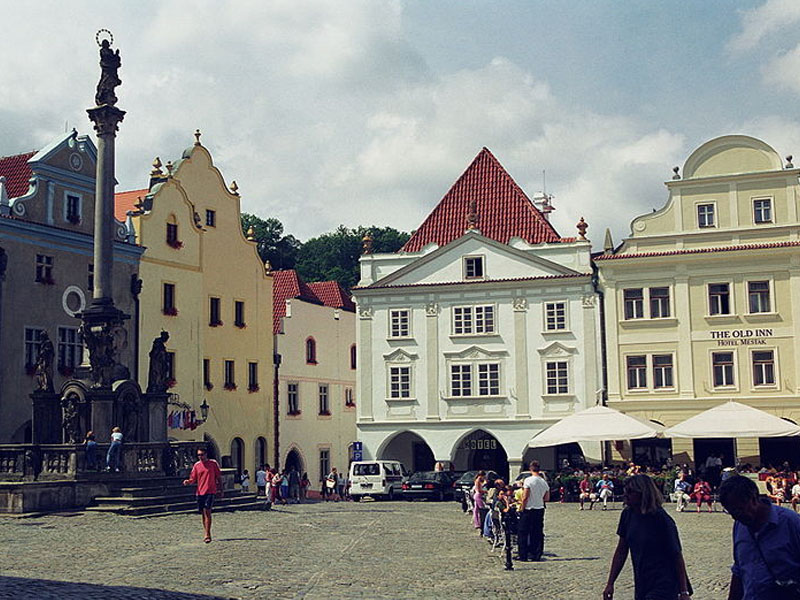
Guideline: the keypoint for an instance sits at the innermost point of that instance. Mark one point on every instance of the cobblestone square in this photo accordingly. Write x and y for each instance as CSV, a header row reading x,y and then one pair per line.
x,y
335,550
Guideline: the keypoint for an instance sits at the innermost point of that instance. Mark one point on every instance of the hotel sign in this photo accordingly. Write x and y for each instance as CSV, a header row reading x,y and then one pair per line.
x,y
742,337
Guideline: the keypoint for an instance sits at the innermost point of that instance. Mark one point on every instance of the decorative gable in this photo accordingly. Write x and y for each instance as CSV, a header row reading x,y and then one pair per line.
x,y
400,355
475,353
557,350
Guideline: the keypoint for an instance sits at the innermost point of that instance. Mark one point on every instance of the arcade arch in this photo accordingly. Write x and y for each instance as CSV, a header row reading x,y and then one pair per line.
x,y
480,450
410,449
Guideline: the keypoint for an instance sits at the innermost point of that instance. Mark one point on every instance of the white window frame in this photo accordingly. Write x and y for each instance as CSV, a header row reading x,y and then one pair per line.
x,y
731,299
75,345
324,462
408,334
470,319
478,381
711,203
389,368
771,201
546,318
546,388
625,316
462,382
736,379
31,348
653,368
324,399
640,368
292,398
482,258
770,296
775,369
472,370
349,397
650,301
68,193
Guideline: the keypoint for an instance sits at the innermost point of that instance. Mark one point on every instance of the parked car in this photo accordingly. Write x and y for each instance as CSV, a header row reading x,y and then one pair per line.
x,y
376,478
464,483
436,485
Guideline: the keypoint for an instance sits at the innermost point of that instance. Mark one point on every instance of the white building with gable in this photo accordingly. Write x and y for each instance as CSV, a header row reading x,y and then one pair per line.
x,y
482,331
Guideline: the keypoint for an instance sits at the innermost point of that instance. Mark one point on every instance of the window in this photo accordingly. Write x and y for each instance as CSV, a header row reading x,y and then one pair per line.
x,y
324,463
758,295
764,367
723,368
211,218
762,210
170,369
33,336
252,377
719,299
311,351
238,314
292,399
399,382
230,375
461,380
70,350
169,300
637,372
473,267
659,302
705,215
555,316
662,371
489,379
473,320
73,209
44,269
207,374
172,234
557,373
353,357
400,323
324,407
349,398
90,278
214,319
634,303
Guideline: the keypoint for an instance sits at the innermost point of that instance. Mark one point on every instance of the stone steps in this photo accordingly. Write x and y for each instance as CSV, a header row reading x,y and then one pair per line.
x,y
164,505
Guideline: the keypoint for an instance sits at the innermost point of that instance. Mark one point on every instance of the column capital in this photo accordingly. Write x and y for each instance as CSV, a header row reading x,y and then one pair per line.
x,y
106,119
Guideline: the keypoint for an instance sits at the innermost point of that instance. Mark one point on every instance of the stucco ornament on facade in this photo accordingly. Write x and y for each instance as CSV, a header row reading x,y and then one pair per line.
x,y
520,304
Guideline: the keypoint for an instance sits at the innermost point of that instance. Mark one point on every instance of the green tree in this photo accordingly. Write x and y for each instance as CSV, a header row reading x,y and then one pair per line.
x,y
273,246
334,255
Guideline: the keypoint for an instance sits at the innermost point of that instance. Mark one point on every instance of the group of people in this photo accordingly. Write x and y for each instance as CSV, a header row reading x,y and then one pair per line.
x,y
277,486
783,490
113,456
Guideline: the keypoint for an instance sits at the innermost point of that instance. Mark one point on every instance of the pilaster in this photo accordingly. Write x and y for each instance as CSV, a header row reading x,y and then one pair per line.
x,y
685,350
521,357
432,360
365,363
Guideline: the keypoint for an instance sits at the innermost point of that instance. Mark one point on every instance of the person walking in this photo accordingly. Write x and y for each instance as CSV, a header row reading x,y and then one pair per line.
x,y
766,544
208,477
535,493
91,451
304,485
294,485
261,481
114,450
649,534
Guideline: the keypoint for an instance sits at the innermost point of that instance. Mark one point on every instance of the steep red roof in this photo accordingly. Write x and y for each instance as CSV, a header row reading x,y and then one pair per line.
x,y
125,201
288,284
331,293
760,246
503,209
17,172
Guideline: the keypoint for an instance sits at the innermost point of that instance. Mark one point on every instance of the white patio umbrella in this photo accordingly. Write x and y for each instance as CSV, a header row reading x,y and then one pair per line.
x,y
596,424
733,420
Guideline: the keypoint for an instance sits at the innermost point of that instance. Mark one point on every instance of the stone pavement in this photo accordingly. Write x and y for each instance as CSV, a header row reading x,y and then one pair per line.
x,y
335,550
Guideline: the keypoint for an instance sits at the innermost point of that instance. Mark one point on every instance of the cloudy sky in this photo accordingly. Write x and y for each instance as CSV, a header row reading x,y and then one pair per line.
x,y
365,112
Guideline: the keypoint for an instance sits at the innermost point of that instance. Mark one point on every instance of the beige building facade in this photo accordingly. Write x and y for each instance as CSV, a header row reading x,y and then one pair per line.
x,y
702,301
204,284
316,379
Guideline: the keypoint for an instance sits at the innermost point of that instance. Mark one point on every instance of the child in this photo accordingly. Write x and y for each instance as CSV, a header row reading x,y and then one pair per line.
x,y
245,481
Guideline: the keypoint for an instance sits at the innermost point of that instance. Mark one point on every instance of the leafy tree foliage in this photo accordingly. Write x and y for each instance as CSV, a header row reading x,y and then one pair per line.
x,y
273,246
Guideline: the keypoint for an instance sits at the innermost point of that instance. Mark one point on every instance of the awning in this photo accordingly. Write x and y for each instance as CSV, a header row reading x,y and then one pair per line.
x,y
596,424
733,420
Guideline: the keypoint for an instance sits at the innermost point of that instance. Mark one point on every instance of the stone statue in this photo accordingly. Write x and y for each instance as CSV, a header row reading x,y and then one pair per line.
x,y
110,61
70,420
130,417
158,375
44,364
101,353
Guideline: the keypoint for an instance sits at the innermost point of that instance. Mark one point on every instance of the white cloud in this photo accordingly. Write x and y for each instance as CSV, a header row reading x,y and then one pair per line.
x,y
783,70
771,17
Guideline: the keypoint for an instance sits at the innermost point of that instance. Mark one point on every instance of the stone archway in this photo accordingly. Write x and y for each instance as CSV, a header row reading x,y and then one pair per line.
x,y
480,450
211,447
410,449
295,459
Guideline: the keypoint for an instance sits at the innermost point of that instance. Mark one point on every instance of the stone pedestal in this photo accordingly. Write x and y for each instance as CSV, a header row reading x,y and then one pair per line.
x,y
157,416
46,418
102,415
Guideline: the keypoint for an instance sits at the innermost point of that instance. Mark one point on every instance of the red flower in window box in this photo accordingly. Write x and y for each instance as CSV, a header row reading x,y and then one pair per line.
x,y
171,311
241,325
74,219
177,244
171,383
65,370
30,370
46,280
216,323
350,404
253,389
230,386
208,385
294,413
324,413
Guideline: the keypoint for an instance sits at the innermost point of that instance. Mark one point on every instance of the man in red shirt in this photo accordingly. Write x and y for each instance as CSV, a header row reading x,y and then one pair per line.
x,y
208,477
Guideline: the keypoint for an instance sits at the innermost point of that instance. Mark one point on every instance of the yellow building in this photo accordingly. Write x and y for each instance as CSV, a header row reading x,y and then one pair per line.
x,y
702,301
204,283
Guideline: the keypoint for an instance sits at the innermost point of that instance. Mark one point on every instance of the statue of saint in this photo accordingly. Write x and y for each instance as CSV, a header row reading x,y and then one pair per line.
x,y
71,420
44,364
102,354
158,375
110,61
130,418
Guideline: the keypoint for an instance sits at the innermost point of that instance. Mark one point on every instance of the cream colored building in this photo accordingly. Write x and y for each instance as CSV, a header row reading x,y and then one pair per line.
x,y
204,283
315,334
702,301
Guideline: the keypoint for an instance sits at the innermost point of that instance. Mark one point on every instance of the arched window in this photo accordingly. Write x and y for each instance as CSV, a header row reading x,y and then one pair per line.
x,y
311,351
353,357
172,233
237,455
261,452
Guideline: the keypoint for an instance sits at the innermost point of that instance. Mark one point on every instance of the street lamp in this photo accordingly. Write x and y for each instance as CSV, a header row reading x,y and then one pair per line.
x,y
204,410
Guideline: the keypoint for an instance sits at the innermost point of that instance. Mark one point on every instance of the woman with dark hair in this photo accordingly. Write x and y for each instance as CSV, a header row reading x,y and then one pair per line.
x,y
650,535
477,497
702,493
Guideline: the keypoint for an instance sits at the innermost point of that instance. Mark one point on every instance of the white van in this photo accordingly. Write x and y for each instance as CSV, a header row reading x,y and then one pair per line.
x,y
376,478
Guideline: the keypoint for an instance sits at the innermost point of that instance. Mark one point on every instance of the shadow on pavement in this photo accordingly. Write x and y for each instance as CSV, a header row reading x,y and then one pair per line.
x,y
20,588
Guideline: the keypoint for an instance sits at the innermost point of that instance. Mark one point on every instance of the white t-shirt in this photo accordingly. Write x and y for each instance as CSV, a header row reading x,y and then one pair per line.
x,y
116,436
796,489
261,478
537,488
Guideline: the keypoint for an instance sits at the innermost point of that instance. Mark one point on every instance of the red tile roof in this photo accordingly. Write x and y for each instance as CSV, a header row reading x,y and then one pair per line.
x,y
285,285
332,294
125,201
17,172
698,250
504,211
471,283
